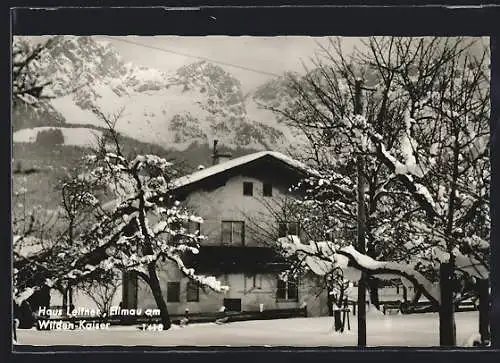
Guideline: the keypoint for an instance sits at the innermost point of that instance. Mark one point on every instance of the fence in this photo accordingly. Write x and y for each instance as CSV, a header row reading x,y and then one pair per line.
x,y
424,307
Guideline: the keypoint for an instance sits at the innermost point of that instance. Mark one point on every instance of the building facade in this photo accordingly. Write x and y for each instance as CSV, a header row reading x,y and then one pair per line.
x,y
242,204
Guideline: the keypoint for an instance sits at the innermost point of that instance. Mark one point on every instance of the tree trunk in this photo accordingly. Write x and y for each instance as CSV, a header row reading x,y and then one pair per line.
x,y
64,292
447,333
330,303
407,307
373,286
362,311
361,222
372,282
154,284
338,310
70,298
337,319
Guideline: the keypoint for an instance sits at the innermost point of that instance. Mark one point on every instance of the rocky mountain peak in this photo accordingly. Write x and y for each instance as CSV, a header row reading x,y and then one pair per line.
x,y
198,103
221,88
73,61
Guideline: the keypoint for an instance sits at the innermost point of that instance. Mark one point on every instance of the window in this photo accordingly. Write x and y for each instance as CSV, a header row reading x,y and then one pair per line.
x,y
248,188
173,291
193,291
288,228
257,281
193,227
267,190
233,233
253,281
287,289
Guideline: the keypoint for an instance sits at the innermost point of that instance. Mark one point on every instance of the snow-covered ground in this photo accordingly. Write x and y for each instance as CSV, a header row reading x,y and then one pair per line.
x,y
76,136
418,330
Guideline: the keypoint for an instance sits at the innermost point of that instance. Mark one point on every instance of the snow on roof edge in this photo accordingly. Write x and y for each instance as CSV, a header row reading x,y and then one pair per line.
x,y
232,163
219,168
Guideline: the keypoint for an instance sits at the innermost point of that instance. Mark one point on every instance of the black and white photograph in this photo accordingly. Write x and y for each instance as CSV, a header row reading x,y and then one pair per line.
x,y
237,191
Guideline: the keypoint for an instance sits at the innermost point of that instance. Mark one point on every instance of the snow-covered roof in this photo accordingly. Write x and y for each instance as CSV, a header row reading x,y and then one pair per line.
x,y
224,166
232,163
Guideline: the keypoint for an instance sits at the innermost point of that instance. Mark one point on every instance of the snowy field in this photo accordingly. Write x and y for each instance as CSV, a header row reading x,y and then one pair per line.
x,y
76,136
418,330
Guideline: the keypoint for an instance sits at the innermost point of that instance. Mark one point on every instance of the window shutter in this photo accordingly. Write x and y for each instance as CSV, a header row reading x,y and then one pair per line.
x,y
238,233
226,233
267,190
292,290
282,230
173,291
248,188
281,291
193,291
293,228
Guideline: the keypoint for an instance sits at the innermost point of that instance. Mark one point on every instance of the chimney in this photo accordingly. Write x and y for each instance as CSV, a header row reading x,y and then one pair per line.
x,y
218,157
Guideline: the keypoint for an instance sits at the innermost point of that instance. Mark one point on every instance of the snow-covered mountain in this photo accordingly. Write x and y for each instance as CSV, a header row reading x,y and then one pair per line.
x,y
276,94
196,104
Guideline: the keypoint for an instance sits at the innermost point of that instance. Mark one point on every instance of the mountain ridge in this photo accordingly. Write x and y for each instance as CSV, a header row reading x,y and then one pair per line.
x,y
196,104
175,115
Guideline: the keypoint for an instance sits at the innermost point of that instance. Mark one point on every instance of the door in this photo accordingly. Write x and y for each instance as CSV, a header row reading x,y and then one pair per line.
x,y
232,304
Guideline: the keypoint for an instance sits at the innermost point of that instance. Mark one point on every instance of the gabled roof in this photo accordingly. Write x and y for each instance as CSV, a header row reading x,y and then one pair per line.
x,y
214,170
236,162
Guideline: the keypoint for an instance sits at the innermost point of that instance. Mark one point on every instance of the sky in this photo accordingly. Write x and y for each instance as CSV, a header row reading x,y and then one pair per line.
x,y
252,60
267,56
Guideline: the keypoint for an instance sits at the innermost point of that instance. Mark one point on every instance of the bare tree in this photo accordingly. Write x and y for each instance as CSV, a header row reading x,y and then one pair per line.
x,y
32,231
27,83
424,134
77,211
102,290
31,83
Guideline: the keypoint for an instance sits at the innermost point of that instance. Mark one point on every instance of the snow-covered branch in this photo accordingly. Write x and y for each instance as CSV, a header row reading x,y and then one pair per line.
x,y
323,258
390,270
